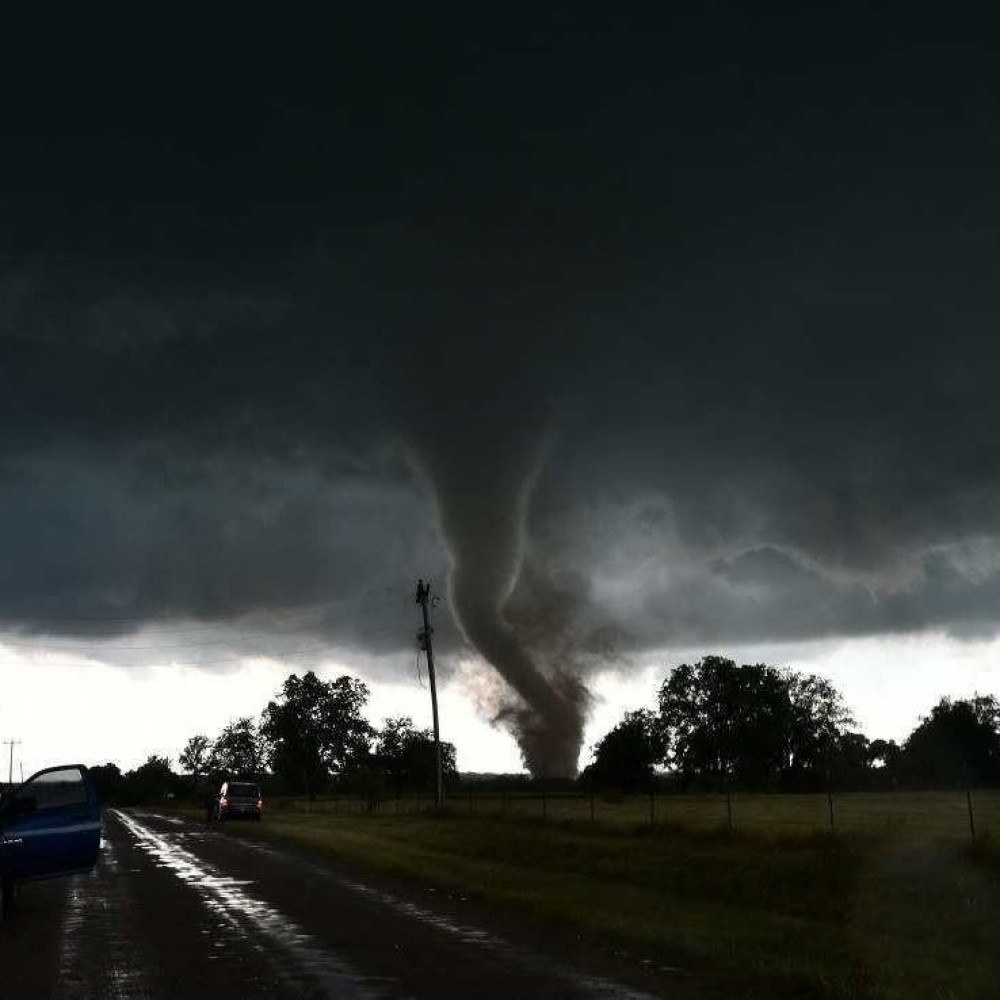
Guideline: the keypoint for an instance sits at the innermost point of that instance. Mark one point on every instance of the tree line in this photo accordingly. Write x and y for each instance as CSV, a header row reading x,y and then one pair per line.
x,y
757,727
311,738
716,725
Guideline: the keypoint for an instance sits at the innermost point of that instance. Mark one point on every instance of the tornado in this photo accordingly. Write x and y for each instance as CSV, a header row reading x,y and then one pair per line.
x,y
482,497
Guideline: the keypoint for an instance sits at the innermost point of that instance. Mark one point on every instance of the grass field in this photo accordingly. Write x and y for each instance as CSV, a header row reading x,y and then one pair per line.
x,y
942,815
898,904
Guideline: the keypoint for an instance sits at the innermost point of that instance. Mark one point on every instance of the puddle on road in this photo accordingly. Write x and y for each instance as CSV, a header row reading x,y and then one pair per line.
x,y
249,917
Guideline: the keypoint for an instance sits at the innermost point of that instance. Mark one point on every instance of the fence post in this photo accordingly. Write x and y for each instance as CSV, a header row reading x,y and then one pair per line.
x,y
652,806
729,809
829,806
545,804
470,800
593,811
503,802
972,815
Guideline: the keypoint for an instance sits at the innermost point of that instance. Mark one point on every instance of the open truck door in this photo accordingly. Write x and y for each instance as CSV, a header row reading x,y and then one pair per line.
x,y
50,825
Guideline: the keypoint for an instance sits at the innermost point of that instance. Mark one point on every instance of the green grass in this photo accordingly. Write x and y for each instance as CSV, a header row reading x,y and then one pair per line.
x,y
942,815
897,907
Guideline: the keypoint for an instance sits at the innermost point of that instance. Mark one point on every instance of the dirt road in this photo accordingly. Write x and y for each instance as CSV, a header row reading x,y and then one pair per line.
x,y
175,909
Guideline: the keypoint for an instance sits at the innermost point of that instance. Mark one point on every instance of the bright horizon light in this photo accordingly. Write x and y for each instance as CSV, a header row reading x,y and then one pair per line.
x,y
67,708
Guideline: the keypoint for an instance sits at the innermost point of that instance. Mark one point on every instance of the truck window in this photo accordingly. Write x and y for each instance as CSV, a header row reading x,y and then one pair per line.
x,y
55,789
242,790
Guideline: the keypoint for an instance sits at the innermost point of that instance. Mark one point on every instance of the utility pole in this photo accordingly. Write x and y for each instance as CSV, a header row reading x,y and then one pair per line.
x,y
424,638
10,771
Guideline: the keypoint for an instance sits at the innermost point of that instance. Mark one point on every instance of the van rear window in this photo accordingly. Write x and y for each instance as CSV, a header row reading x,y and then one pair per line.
x,y
243,791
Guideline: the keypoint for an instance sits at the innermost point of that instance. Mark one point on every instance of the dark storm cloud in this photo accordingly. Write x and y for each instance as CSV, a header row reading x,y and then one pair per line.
x,y
654,333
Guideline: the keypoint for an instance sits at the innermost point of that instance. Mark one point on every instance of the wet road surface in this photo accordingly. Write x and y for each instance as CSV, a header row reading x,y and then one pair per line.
x,y
175,909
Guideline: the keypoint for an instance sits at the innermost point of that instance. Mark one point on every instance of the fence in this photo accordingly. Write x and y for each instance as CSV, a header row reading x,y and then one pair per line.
x,y
937,815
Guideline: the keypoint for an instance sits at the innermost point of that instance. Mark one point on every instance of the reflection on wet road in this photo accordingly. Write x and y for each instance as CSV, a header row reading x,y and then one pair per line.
x,y
243,915
174,909
93,908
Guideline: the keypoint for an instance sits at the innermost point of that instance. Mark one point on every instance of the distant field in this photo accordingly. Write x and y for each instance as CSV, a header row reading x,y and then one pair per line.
x,y
930,815
896,905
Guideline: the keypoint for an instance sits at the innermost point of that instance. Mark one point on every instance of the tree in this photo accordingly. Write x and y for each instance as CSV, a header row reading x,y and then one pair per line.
x,y
315,730
817,735
850,761
882,763
957,744
238,751
755,725
625,757
197,757
407,758
883,754
154,768
152,781
107,779
722,722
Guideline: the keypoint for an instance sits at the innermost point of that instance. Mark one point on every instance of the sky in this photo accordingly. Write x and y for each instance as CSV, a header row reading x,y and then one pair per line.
x,y
642,335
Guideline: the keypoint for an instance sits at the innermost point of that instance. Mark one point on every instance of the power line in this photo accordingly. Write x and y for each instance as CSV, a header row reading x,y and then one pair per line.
x,y
119,636
151,616
55,642
147,626
140,620
254,656
283,654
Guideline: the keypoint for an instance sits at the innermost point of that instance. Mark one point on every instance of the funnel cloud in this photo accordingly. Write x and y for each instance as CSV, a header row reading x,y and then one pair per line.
x,y
482,497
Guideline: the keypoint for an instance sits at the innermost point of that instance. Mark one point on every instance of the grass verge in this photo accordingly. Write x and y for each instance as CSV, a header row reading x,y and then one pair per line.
x,y
868,917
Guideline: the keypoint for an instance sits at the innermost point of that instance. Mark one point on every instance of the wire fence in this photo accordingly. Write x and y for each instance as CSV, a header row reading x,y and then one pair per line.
x,y
924,815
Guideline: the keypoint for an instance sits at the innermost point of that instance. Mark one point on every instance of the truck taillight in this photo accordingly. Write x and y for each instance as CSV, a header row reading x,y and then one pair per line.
x,y
260,803
224,802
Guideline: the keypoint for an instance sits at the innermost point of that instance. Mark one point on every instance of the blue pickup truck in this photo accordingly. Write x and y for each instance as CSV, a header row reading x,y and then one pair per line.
x,y
50,825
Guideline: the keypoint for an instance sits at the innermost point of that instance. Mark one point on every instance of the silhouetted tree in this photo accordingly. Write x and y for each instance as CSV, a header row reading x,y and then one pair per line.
x,y
152,781
883,754
849,761
238,752
107,779
958,743
625,757
406,756
755,725
882,759
818,744
198,757
723,722
315,730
